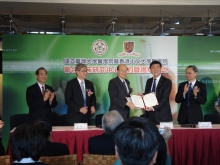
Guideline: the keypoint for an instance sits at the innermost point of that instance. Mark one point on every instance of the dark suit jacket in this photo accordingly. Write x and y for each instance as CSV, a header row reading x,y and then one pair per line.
x,y
191,114
118,93
162,112
74,100
38,108
102,144
55,149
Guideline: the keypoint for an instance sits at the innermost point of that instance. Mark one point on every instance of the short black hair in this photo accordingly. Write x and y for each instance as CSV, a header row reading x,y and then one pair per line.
x,y
155,62
45,127
27,141
41,68
136,141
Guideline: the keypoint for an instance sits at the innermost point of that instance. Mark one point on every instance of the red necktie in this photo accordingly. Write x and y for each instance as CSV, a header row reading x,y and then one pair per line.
x,y
43,91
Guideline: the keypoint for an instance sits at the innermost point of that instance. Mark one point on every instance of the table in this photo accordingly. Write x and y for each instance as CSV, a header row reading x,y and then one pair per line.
x,y
76,140
195,146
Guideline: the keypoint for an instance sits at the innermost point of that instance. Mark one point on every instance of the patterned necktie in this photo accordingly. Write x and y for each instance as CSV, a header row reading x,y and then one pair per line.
x,y
189,92
43,91
154,86
83,92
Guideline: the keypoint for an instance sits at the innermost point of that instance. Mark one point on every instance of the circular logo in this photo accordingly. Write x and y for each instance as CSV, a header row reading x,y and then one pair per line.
x,y
99,47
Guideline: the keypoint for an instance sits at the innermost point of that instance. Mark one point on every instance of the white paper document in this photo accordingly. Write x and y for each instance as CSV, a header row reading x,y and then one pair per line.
x,y
147,100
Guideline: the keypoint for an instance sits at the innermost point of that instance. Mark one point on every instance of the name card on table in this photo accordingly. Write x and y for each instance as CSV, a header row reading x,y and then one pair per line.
x,y
80,126
204,125
166,124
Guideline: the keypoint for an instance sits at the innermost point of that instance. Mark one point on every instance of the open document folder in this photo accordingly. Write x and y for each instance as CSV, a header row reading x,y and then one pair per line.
x,y
147,100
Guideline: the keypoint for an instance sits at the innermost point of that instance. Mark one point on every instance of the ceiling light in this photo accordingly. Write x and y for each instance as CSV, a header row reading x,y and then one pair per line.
x,y
210,35
200,34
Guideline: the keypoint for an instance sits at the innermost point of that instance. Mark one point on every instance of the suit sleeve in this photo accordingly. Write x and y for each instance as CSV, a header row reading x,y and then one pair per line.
x,y
93,99
202,94
163,95
69,99
179,95
54,102
33,101
36,102
114,94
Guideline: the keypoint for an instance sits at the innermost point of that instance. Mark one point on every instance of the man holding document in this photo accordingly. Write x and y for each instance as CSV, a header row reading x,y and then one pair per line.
x,y
119,89
161,87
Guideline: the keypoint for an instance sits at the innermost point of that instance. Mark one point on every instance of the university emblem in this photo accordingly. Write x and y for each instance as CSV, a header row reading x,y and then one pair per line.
x,y
99,47
129,49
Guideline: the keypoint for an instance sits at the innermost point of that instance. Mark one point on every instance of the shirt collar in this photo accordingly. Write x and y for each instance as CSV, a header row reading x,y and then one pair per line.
x,y
158,78
121,79
193,83
26,160
80,80
40,85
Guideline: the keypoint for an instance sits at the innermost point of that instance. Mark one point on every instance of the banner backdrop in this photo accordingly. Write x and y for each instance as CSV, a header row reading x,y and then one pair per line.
x,y
23,54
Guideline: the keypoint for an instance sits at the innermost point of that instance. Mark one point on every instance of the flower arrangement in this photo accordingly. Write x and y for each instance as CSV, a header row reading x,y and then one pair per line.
x,y
89,92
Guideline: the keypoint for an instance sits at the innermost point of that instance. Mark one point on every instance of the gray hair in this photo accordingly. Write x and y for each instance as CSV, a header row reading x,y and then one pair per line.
x,y
110,121
79,66
194,68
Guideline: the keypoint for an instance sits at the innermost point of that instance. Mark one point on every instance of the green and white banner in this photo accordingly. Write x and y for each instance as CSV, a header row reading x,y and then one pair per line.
x,y
23,54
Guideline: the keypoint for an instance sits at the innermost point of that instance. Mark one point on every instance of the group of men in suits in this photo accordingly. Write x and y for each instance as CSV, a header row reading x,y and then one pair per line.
x,y
118,93
191,94
79,96
81,100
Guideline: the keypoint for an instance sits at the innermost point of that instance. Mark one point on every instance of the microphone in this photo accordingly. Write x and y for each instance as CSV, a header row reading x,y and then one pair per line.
x,y
188,125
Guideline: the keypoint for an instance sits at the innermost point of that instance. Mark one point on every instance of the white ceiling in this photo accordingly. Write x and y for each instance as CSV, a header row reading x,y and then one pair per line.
x,y
141,17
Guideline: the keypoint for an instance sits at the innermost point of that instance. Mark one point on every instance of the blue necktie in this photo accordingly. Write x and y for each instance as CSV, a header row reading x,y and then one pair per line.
x,y
154,86
189,92
83,92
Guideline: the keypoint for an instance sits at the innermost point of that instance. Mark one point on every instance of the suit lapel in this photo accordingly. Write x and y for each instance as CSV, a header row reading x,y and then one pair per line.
x,y
121,84
78,87
160,83
196,84
128,84
38,90
86,88
148,87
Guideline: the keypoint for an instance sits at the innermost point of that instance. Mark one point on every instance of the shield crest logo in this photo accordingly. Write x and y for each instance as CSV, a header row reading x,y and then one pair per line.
x,y
128,47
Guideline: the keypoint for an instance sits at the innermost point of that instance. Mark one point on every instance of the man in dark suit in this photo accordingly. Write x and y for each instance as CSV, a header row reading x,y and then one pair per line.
x,y
191,94
51,148
80,97
119,89
161,86
40,97
104,144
